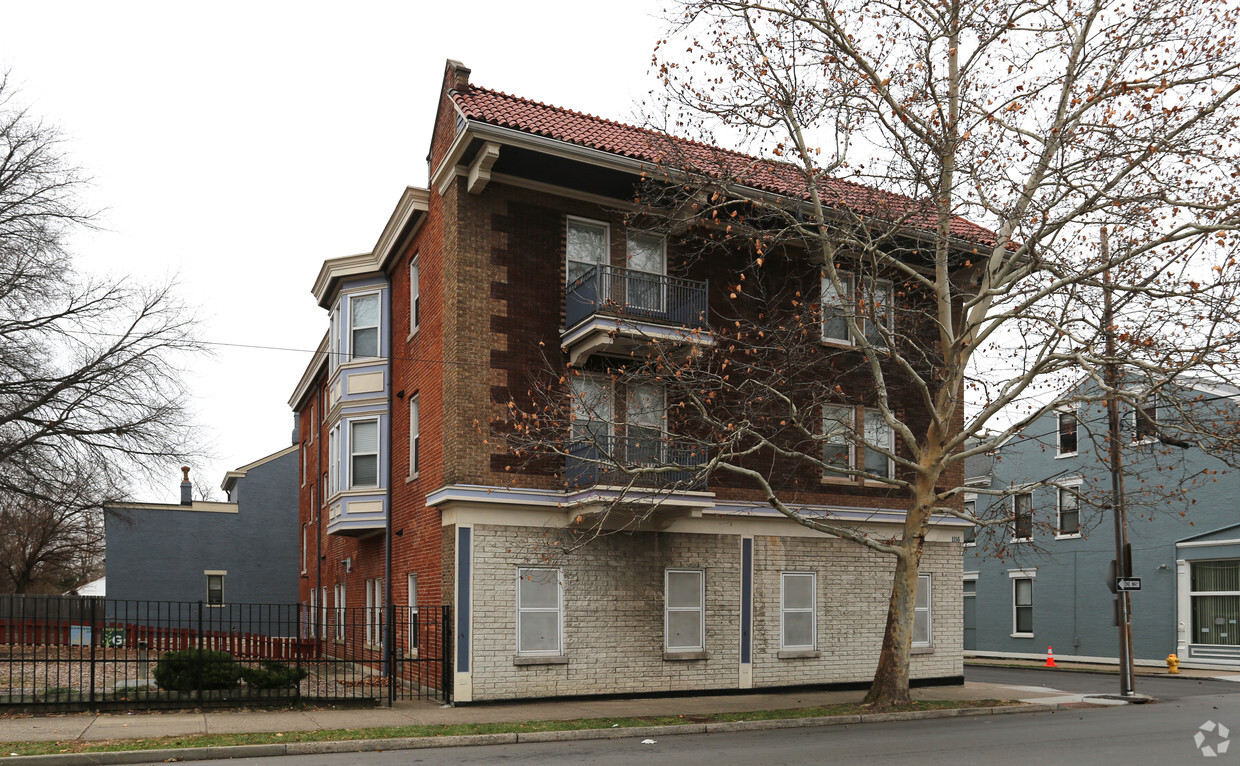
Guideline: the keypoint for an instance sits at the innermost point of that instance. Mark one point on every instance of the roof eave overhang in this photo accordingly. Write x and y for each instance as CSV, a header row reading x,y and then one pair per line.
x,y
449,169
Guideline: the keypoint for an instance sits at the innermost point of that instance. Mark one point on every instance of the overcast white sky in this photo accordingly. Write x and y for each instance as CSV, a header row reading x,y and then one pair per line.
x,y
235,145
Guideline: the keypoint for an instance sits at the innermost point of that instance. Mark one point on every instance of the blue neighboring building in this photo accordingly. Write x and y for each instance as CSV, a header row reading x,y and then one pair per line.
x,y
1041,580
243,551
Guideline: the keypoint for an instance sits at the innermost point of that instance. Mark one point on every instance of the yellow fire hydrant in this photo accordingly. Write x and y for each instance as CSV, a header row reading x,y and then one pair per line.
x,y
1173,664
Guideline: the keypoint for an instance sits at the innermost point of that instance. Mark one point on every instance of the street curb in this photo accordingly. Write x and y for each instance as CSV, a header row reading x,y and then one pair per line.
x,y
1065,668
507,738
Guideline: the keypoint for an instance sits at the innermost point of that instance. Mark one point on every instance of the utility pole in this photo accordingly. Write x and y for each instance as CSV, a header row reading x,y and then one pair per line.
x,y
1123,563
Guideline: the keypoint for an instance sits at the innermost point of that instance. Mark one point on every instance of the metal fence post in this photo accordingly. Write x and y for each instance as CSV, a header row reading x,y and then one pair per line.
x,y
95,635
198,675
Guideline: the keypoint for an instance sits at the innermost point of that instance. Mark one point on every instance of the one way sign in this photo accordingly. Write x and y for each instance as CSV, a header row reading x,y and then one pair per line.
x,y
1128,583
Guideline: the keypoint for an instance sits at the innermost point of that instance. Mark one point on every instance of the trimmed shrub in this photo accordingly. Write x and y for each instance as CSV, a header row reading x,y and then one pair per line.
x,y
273,675
188,670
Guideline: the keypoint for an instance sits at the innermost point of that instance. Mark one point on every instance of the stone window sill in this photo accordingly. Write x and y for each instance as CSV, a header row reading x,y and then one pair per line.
x,y
921,650
799,654
558,659
685,656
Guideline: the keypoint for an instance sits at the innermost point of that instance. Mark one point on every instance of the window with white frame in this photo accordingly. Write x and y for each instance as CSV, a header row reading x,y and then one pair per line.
x,y
970,534
313,423
586,245
313,616
1022,606
798,623
363,453
415,296
838,437
647,265
333,461
1066,432
836,307
593,416
684,610
845,448
1069,511
1022,516
878,316
921,612
305,538
305,463
333,343
374,611
540,604
414,435
1214,590
325,493
879,441
1145,422
645,409
338,604
364,326
215,588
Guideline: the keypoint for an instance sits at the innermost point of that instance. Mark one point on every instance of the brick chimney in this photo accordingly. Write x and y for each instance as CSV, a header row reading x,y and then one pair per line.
x,y
187,489
456,77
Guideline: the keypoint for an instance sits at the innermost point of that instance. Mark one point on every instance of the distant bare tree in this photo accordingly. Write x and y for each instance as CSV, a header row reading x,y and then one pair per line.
x,y
88,366
52,537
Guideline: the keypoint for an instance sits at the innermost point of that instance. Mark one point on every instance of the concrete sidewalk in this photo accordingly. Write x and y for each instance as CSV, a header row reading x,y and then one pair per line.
x,y
1099,667
90,726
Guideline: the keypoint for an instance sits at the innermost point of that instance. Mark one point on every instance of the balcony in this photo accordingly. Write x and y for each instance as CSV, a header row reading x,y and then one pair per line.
x,y
603,461
611,309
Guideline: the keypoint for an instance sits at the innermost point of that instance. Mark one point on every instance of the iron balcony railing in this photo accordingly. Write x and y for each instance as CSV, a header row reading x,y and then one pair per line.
x,y
604,460
619,292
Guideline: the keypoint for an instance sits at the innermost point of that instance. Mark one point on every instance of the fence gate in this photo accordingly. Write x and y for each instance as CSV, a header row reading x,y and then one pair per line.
x,y
418,664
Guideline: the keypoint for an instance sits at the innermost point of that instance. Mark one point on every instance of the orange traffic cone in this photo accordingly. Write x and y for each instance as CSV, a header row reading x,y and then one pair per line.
x,y
1050,658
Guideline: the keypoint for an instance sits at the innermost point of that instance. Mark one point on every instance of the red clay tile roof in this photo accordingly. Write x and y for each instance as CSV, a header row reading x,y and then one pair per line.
x,y
500,109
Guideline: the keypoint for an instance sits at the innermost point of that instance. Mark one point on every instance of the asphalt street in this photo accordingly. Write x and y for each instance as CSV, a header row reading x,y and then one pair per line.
x,y
1163,732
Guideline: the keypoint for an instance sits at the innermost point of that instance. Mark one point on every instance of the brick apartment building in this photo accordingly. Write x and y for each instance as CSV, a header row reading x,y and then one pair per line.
x,y
431,330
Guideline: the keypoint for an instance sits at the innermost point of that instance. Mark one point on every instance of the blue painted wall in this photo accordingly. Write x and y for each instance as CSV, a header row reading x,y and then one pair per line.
x,y
1172,494
159,553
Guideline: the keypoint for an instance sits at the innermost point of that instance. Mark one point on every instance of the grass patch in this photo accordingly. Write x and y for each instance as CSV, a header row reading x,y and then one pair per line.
x,y
392,732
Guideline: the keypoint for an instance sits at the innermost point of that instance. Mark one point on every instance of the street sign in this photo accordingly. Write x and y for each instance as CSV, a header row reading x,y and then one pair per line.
x,y
1128,583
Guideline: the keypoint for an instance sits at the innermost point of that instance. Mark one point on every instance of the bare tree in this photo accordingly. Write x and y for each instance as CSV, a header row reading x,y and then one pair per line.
x,y
53,534
88,366
888,330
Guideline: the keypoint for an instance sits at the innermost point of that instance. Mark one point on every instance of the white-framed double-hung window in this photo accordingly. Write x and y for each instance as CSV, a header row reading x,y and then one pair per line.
x,y
415,296
363,453
1022,602
1068,509
921,612
374,611
364,326
798,623
844,448
837,306
685,610
647,267
593,413
338,604
587,246
414,435
1214,591
1022,516
540,611
1066,433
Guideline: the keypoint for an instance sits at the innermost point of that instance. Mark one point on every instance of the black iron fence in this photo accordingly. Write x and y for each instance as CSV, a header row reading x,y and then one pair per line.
x,y
656,461
637,294
93,653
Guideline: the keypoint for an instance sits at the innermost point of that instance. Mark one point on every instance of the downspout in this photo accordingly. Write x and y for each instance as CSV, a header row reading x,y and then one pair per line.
x,y
388,611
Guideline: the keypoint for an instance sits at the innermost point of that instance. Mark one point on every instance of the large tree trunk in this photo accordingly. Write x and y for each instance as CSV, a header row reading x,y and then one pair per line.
x,y
890,688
